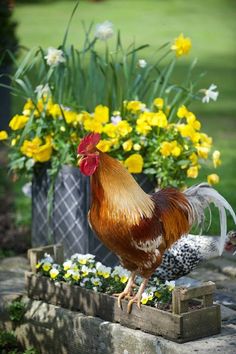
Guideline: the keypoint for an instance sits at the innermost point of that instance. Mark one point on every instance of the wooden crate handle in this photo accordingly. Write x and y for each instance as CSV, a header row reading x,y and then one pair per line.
x,y
181,296
35,254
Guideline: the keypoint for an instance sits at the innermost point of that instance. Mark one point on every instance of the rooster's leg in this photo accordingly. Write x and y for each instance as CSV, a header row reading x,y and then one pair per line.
x,y
127,290
138,297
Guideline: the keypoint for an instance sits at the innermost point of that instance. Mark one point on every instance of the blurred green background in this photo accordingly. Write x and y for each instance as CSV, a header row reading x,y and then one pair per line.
x,y
209,23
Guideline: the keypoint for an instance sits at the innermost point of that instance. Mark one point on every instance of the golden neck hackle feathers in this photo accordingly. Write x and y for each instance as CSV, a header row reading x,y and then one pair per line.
x,y
115,189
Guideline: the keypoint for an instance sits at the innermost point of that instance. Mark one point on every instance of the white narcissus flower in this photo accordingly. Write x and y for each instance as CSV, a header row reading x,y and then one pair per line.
x,y
42,91
104,31
54,56
142,63
210,93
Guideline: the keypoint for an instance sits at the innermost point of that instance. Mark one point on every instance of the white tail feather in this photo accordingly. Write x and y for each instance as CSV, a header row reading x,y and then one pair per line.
x,y
199,197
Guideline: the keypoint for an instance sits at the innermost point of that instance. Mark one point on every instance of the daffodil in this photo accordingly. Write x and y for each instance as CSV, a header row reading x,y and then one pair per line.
x,y
54,57
210,94
104,30
181,45
134,163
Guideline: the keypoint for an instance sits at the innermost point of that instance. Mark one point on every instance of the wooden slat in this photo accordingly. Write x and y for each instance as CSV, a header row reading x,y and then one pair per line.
x,y
35,254
198,291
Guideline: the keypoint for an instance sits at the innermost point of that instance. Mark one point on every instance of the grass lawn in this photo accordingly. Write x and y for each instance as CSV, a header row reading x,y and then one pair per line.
x,y
210,24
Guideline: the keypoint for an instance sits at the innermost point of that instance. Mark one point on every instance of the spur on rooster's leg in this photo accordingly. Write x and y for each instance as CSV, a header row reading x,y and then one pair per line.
x,y
140,228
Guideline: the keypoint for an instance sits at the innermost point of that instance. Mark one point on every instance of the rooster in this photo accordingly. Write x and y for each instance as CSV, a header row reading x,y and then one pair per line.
x,y
136,226
189,251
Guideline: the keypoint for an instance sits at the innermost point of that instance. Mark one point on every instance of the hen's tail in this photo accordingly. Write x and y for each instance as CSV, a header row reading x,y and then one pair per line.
x,y
200,197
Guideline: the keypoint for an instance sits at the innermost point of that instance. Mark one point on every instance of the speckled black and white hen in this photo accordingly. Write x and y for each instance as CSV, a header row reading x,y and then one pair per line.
x,y
190,250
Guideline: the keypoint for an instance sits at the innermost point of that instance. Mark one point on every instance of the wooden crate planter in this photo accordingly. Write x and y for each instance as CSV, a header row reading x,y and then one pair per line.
x,y
182,325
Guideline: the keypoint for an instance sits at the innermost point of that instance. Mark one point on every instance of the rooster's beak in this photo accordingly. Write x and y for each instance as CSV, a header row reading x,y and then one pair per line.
x,y
80,158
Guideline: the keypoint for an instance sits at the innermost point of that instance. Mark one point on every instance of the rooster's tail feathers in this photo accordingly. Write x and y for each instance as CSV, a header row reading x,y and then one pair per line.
x,y
200,197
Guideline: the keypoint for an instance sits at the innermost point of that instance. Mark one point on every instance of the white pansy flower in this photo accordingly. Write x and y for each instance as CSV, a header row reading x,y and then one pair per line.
x,y
210,94
83,258
115,119
54,273
142,63
54,56
103,270
27,188
104,31
96,281
67,264
170,284
42,91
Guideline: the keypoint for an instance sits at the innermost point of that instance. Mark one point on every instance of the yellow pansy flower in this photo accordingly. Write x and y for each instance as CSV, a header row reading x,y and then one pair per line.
x,y
70,117
54,273
193,158
104,145
203,151
213,179
159,102
165,148
134,163
101,114
192,172
93,125
47,266
75,276
207,140
159,119
29,148
123,128
182,112
176,149
54,110
123,279
110,130
181,45
216,158
135,106
44,151
127,145
3,135
18,122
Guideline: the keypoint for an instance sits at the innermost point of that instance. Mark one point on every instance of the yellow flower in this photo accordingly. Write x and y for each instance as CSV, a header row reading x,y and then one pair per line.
x,y
166,148
3,135
101,114
134,163
182,112
47,266
92,125
182,45
216,158
159,103
193,158
187,131
124,279
110,130
18,122
176,148
135,106
127,145
54,110
213,179
123,128
104,145
28,107
38,265
29,148
192,172
70,117
206,140
44,152
137,147
203,151
159,119
54,273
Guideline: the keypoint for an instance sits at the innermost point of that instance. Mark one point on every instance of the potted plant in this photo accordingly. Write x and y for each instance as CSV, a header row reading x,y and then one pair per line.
x,y
143,116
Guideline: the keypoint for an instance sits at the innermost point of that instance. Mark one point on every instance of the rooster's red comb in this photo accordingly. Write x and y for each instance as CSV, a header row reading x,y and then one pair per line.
x,y
88,143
